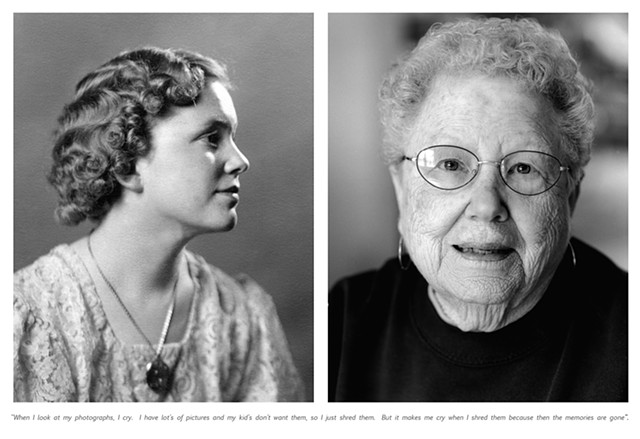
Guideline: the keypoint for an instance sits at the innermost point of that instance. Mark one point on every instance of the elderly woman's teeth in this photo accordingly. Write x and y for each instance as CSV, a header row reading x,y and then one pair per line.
x,y
477,251
481,251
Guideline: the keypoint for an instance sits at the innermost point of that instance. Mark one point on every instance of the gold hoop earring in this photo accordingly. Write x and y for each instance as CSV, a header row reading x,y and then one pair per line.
x,y
401,254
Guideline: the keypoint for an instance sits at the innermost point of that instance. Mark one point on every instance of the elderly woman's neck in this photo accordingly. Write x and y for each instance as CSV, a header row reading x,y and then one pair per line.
x,y
478,317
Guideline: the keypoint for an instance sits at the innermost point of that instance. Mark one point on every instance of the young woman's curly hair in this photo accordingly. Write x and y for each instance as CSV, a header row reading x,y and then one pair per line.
x,y
106,127
519,49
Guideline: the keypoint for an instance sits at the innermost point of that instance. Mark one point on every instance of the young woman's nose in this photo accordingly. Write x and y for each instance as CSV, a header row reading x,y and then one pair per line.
x,y
237,163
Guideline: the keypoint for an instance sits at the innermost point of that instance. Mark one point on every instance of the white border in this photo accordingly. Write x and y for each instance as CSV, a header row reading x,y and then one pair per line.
x,y
620,429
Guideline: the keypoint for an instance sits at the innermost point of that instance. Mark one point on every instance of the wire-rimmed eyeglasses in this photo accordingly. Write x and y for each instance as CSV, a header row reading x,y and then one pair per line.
x,y
451,167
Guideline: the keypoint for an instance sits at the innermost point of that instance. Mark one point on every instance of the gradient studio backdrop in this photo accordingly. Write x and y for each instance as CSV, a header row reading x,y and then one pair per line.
x,y
362,207
270,57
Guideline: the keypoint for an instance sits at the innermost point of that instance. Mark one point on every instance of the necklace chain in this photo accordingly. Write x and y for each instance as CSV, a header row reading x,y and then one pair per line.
x,y
167,320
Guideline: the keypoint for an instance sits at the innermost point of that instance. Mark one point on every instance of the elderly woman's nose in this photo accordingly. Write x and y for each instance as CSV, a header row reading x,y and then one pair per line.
x,y
487,202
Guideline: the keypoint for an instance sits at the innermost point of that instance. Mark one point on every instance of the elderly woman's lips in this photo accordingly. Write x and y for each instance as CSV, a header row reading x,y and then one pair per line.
x,y
483,252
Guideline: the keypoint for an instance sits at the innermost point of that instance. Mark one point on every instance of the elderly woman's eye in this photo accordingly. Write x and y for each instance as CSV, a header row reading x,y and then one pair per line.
x,y
450,165
521,168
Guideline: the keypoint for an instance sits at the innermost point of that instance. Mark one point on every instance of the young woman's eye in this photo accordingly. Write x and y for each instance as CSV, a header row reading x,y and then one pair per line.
x,y
213,139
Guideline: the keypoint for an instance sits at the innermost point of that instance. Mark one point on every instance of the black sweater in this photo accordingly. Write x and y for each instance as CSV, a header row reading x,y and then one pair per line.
x,y
387,343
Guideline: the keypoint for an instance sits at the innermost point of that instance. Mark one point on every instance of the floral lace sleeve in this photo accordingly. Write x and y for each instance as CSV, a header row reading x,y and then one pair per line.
x,y
41,370
269,370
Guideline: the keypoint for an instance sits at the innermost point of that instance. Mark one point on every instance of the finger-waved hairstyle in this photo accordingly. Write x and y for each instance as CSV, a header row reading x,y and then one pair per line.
x,y
520,49
105,129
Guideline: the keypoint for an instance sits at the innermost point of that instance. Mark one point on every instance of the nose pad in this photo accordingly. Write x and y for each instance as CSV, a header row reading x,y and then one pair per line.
x,y
486,196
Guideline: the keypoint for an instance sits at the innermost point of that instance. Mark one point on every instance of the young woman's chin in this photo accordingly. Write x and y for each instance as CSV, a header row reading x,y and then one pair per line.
x,y
223,223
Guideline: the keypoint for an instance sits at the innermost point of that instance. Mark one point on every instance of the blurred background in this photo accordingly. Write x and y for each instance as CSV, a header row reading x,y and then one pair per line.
x,y
362,208
270,57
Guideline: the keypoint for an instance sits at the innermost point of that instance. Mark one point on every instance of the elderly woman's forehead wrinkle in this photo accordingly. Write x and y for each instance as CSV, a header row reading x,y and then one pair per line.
x,y
481,97
435,129
453,122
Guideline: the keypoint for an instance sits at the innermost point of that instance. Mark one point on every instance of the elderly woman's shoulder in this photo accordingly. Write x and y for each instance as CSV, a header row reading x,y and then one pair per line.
x,y
598,293
596,268
360,289
595,259
600,287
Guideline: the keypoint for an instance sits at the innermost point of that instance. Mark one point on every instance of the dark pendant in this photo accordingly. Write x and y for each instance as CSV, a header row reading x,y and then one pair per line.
x,y
159,376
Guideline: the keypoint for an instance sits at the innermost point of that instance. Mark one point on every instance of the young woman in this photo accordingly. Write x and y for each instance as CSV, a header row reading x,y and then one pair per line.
x,y
146,150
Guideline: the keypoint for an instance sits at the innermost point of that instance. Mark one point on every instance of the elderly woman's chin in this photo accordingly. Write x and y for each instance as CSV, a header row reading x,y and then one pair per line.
x,y
482,304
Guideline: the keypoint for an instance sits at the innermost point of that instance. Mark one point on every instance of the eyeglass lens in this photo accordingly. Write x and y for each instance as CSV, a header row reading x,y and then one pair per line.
x,y
525,172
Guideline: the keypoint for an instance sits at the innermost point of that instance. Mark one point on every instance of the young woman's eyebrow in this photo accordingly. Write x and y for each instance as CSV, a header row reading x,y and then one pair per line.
x,y
214,125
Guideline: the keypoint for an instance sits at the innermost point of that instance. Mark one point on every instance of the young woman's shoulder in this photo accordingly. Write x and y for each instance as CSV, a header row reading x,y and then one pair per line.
x,y
235,293
49,280
52,326
248,322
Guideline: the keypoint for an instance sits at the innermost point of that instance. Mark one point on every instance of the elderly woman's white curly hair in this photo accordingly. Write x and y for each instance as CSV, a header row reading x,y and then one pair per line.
x,y
519,49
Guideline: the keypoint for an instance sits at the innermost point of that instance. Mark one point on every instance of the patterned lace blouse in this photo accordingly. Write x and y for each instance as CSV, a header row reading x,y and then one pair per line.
x,y
65,349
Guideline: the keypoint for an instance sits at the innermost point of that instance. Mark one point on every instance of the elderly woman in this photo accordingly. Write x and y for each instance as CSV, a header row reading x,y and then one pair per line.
x,y
488,126
146,150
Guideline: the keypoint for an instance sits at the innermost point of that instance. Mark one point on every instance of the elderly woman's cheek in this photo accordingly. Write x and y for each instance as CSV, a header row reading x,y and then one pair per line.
x,y
425,222
545,232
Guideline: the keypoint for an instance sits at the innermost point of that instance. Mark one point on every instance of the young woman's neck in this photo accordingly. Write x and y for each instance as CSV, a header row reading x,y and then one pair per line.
x,y
122,242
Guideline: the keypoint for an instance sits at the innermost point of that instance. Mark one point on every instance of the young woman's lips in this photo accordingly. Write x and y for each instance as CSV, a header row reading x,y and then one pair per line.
x,y
483,252
231,192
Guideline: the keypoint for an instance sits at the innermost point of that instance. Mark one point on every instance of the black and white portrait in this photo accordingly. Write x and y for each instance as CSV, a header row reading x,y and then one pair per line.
x,y
478,207
163,207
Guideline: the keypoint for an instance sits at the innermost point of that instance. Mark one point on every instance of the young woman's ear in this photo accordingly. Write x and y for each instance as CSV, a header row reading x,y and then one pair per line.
x,y
132,182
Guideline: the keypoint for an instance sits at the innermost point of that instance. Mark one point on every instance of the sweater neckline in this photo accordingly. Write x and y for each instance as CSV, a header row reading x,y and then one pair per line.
x,y
483,349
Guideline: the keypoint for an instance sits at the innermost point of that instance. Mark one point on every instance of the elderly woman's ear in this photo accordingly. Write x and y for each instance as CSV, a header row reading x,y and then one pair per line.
x,y
396,177
573,197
